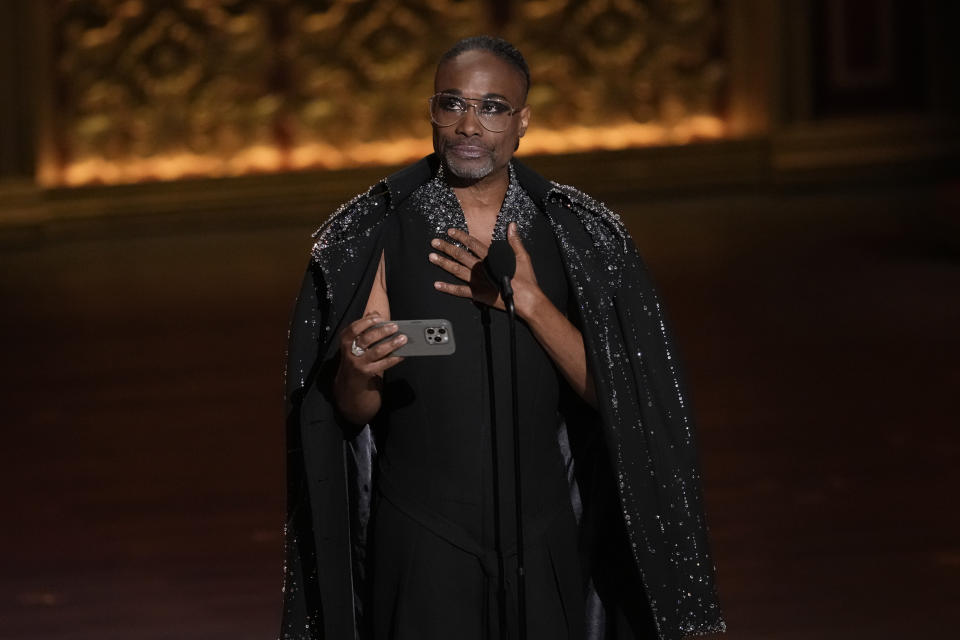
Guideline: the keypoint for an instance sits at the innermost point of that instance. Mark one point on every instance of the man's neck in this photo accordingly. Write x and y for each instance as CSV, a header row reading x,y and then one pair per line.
x,y
483,196
481,201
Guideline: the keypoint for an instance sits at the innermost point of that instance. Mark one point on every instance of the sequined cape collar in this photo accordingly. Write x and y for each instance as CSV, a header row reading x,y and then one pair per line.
x,y
436,201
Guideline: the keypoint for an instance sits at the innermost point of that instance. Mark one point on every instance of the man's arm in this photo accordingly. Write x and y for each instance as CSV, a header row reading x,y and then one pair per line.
x,y
555,333
559,338
359,379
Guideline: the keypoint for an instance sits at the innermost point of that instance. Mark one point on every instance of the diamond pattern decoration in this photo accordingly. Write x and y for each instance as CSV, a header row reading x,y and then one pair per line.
x,y
151,89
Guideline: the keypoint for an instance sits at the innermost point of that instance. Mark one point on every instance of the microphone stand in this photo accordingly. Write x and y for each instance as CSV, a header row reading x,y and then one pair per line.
x,y
507,293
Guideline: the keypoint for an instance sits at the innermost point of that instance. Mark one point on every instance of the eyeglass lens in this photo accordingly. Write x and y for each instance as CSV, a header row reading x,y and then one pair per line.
x,y
447,110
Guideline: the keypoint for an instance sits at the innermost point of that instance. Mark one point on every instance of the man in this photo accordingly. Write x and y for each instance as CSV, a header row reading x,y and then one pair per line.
x,y
401,509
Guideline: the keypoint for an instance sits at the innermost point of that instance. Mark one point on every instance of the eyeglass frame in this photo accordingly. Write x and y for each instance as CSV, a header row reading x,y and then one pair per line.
x,y
472,103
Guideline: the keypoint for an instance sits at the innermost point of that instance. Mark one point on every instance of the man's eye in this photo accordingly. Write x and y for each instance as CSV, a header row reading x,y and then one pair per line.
x,y
448,103
493,107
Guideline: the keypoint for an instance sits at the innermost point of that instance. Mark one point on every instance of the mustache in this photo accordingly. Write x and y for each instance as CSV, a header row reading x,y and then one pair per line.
x,y
467,145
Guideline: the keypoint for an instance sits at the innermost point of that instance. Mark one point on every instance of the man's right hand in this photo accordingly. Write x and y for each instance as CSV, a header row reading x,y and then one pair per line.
x,y
364,355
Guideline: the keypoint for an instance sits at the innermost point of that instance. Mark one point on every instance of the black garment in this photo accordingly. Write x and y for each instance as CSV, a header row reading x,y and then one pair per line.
x,y
447,495
642,528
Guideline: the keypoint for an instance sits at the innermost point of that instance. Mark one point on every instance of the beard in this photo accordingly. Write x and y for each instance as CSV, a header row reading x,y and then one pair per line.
x,y
468,169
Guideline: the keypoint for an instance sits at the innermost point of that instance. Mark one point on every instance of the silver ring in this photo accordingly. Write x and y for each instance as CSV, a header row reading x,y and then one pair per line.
x,y
356,349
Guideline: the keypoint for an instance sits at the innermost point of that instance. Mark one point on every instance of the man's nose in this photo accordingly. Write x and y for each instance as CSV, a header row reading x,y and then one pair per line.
x,y
469,124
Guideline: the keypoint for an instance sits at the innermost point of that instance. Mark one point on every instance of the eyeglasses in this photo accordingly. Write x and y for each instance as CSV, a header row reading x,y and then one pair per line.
x,y
447,110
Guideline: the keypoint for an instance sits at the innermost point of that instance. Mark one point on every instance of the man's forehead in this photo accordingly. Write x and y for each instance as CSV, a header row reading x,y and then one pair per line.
x,y
489,95
480,69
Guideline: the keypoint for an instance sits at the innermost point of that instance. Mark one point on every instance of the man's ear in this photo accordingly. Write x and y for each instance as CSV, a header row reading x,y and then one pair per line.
x,y
524,120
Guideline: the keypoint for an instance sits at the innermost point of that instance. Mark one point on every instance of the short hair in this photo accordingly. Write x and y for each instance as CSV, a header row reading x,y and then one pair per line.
x,y
498,47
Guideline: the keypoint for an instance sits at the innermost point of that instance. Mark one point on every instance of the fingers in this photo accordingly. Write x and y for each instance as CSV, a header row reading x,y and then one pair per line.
x,y
460,290
461,255
478,248
513,237
368,338
375,359
357,327
450,266
374,340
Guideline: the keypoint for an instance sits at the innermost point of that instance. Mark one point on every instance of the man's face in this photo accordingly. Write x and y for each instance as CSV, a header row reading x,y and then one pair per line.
x,y
470,151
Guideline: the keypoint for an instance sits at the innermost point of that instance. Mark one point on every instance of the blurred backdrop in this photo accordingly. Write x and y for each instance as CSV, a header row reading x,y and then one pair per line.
x,y
787,168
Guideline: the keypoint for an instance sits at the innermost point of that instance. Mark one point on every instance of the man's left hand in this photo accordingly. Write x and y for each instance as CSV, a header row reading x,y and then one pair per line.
x,y
466,264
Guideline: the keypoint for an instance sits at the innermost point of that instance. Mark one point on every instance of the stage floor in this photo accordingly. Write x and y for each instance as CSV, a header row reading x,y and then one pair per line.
x,y
143,431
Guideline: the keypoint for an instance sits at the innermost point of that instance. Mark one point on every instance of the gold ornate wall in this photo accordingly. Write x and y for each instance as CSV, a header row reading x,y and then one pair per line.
x,y
151,89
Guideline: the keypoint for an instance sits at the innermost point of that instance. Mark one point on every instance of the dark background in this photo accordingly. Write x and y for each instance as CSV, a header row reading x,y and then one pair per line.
x,y
810,263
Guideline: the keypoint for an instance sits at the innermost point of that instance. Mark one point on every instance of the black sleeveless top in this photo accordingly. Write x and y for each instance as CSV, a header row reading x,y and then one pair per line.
x,y
444,417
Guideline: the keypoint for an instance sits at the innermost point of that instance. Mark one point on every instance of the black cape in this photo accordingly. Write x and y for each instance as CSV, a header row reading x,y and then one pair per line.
x,y
635,483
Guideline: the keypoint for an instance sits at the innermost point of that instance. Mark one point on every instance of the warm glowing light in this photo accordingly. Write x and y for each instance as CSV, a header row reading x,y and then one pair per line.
x,y
318,155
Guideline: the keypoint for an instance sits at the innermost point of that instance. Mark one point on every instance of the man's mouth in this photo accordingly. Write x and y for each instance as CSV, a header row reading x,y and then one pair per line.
x,y
468,151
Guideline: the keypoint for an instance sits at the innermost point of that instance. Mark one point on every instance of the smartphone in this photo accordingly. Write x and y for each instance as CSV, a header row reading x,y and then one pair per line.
x,y
424,337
